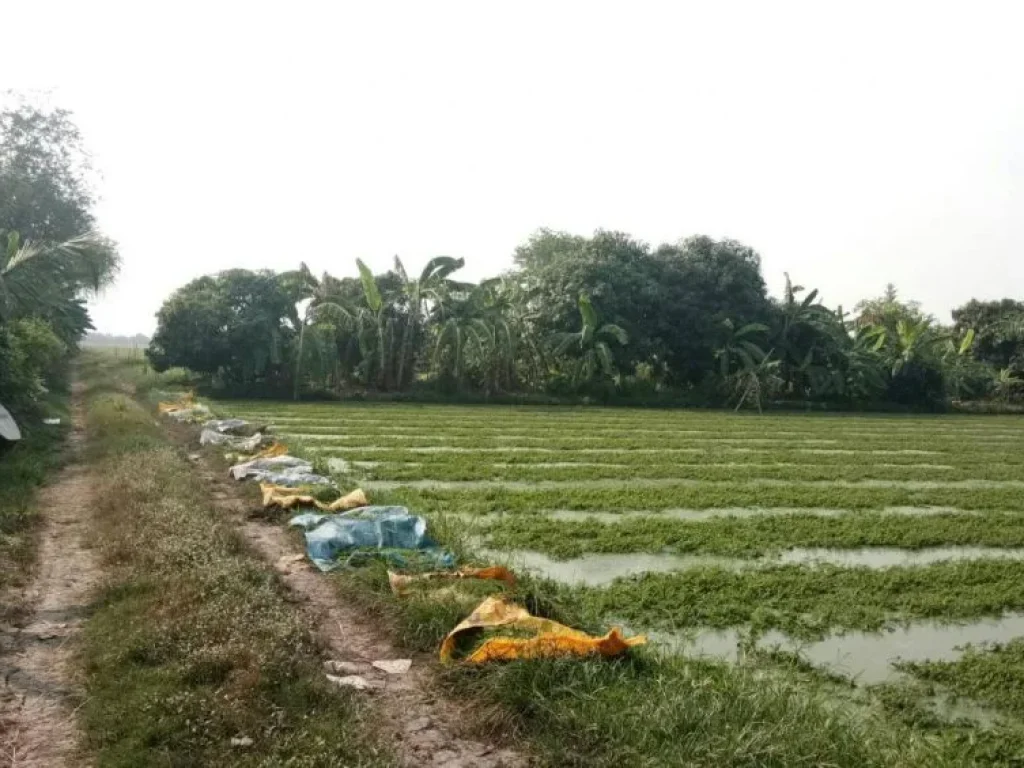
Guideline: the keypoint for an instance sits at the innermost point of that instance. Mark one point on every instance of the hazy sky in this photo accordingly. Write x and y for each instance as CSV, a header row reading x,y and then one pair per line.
x,y
851,144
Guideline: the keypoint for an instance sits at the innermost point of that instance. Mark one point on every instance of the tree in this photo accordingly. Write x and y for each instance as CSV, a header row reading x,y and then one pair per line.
x,y
740,347
697,284
235,327
50,261
588,349
45,192
428,287
999,331
671,302
887,311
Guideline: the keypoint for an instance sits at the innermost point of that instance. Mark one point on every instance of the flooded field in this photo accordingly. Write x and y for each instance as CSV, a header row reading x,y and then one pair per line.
x,y
879,549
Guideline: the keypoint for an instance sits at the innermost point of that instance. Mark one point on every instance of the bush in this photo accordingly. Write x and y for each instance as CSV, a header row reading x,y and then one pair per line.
x,y
32,359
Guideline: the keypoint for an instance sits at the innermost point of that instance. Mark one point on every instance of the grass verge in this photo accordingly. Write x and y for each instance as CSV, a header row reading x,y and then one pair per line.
x,y
192,643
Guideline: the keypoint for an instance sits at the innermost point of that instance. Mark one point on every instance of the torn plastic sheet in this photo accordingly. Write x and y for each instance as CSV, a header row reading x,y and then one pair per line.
x,y
550,639
236,427
368,533
189,415
400,582
280,470
286,498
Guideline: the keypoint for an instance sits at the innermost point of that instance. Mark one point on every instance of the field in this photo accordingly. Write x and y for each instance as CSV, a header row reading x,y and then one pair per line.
x,y
869,549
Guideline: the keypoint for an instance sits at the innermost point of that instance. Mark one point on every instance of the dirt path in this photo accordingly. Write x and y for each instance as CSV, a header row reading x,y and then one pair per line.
x,y
38,689
426,728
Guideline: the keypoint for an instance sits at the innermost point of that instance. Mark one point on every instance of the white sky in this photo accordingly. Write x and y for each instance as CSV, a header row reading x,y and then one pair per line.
x,y
850,143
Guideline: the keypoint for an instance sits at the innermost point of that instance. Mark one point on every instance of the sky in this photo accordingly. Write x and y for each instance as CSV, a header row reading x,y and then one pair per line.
x,y
851,144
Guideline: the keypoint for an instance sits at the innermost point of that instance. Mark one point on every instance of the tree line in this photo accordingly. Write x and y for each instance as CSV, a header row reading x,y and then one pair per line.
x,y
605,317
51,256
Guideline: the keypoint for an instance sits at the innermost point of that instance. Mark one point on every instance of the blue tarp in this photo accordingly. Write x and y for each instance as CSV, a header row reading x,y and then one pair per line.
x,y
369,532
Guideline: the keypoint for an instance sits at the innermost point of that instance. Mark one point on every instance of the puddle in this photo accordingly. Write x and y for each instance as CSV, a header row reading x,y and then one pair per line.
x,y
557,465
600,569
866,657
597,569
709,514
877,451
660,482
886,557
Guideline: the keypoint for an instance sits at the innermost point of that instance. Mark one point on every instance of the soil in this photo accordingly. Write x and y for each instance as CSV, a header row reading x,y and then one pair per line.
x,y
39,686
425,727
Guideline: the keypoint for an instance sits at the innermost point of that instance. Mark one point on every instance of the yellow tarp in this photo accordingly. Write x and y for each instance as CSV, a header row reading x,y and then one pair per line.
x,y
400,583
286,498
551,639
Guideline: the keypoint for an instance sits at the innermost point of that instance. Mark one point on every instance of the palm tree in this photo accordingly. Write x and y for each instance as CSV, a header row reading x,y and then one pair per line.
x,y
44,278
591,343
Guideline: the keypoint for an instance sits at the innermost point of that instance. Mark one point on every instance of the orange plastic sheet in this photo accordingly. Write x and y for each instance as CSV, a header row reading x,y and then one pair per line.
x,y
185,401
286,498
400,583
551,639
272,450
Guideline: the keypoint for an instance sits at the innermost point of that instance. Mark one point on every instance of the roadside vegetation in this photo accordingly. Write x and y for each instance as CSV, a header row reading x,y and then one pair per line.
x,y
51,261
192,643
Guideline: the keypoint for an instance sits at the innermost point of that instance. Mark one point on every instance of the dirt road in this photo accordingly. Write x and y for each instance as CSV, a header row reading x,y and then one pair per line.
x,y
39,689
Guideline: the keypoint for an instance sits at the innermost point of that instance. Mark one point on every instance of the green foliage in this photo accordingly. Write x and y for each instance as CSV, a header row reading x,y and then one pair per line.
x,y
999,329
693,317
237,327
47,265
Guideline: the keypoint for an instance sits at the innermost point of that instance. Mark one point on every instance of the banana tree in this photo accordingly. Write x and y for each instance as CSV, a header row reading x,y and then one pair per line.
x,y
801,334
376,316
430,286
739,346
590,343
323,301
755,381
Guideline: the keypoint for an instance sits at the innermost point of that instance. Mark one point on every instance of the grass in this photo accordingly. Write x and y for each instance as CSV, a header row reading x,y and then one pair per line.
x,y
498,472
193,642
755,535
807,602
24,466
993,676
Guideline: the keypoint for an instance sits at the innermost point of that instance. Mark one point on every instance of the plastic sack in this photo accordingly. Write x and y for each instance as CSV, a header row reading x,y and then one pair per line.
x,y
396,535
551,639
400,582
8,427
286,498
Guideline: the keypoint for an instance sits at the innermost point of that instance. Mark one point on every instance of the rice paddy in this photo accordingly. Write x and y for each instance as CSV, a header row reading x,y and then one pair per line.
x,y
872,548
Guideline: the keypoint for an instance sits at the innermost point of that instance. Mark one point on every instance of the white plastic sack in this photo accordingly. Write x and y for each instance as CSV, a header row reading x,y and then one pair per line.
x,y
8,428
